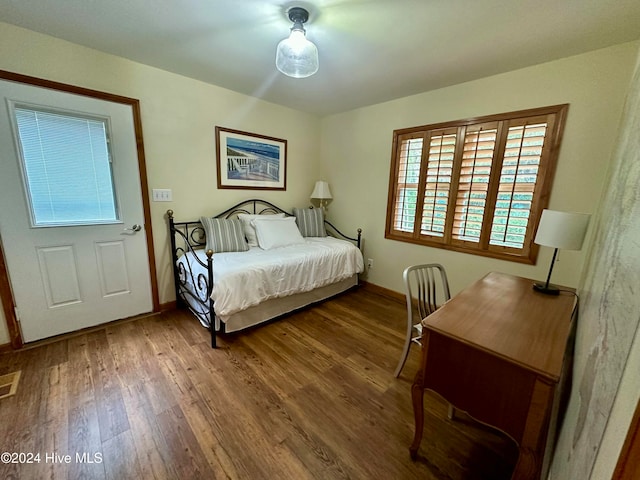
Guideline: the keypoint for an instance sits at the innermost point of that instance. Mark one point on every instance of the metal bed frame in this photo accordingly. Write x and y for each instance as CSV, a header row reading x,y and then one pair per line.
x,y
187,236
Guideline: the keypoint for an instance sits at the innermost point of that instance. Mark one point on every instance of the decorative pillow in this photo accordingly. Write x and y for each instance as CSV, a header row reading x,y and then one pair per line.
x,y
224,235
310,222
249,230
277,232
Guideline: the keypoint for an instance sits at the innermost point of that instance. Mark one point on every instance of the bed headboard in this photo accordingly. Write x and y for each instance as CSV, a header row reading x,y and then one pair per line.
x,y
191,234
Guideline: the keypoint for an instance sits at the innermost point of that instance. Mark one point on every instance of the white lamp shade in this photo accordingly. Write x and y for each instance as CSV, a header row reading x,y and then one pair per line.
x,y
321,191
563,230
296,56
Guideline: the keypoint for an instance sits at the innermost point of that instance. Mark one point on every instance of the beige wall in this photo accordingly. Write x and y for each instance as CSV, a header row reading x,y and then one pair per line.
x,y
356,152
178,118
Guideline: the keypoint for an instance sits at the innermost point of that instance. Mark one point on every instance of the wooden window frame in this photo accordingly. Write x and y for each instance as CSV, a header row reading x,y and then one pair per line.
x,y
552,116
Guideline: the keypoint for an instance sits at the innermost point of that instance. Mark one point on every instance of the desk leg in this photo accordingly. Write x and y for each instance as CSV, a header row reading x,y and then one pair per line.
x,y
417,397
534,438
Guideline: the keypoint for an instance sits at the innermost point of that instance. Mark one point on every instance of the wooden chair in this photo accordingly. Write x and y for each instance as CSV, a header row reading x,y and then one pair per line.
x,y
427,286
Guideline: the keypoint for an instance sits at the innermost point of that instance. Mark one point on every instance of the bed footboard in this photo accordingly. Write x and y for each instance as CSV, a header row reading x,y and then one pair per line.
x,y
193,290
334,232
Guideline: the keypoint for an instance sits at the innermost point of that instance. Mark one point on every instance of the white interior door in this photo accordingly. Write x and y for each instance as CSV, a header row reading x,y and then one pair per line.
x,y
68,274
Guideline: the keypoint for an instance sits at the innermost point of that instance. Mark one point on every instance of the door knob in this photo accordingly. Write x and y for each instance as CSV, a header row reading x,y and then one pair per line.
x,y
134,228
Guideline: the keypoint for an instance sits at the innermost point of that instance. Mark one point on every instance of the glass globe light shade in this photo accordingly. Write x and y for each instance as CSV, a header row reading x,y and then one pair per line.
x,y
296,56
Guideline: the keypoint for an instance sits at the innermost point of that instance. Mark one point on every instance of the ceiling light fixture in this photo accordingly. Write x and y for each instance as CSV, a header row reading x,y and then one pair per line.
x,y
296,56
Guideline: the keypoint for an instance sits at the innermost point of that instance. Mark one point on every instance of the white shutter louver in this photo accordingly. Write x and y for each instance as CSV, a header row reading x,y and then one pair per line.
x,y
520,166
438,183
473,185
410,157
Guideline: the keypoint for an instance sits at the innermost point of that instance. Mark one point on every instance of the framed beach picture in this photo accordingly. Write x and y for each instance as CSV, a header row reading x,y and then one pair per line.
x,y
250,161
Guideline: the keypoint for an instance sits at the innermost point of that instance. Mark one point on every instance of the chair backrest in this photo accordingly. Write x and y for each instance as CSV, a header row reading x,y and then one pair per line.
x,y
426,285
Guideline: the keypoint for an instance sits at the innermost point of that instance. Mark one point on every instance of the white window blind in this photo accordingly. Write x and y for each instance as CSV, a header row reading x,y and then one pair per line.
x,y
67,168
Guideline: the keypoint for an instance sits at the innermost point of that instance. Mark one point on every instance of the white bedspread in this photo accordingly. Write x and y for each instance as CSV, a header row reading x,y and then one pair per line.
x,y
245,279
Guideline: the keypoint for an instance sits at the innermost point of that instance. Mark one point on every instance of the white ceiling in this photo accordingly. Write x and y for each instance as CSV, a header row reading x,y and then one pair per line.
x,y
370,50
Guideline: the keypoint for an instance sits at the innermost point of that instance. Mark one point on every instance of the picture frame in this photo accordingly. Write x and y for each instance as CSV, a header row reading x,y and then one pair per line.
x,y
250,161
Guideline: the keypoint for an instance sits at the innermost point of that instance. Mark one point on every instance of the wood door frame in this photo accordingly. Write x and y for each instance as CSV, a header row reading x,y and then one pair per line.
x,y
628,466
6,295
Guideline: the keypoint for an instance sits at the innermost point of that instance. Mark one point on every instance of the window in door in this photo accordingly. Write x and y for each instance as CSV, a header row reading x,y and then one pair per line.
x,y
66,167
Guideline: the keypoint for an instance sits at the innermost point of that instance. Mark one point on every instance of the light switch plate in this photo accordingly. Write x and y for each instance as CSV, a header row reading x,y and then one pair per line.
x,y
162,195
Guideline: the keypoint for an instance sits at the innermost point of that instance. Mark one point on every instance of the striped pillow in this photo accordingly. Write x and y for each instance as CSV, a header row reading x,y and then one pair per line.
x,y
224,235
310,222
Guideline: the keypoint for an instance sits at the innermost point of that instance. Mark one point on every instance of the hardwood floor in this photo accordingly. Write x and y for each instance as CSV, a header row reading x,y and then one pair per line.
x,y
311,395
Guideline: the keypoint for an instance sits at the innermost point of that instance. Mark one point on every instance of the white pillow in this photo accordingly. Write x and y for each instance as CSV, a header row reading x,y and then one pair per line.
x,y
249,230
277,232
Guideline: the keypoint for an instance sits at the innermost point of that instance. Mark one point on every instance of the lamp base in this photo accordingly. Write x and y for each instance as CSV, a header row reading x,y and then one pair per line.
x,y
546,288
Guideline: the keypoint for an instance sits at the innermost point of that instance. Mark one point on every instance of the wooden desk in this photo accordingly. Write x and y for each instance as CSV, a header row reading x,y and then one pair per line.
x,y
500,351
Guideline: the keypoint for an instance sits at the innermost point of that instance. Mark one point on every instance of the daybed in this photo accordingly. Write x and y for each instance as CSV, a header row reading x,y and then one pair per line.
x,y
267,262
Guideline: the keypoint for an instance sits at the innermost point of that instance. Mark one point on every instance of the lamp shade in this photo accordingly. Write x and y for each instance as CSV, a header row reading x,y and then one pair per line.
x,y
321,191
296,56
563,230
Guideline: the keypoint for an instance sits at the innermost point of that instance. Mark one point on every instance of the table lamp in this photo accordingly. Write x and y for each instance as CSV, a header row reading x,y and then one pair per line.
x,y
560,230
321,192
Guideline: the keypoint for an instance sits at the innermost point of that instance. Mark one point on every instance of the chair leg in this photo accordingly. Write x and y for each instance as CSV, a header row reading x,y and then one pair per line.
x,y
405,351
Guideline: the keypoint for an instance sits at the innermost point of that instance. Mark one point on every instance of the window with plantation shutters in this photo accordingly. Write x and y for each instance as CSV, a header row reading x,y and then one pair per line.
x,y
475,186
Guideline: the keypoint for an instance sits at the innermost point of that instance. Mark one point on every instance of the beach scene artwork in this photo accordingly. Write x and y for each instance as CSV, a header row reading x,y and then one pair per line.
x,y
247,160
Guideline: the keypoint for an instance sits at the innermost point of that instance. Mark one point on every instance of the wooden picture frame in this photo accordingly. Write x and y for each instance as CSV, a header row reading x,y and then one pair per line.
x,y
250,161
